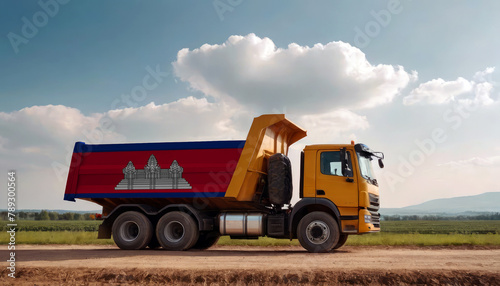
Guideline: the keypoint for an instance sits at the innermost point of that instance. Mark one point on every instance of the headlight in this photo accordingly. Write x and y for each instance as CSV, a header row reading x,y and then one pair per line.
x,y
368,218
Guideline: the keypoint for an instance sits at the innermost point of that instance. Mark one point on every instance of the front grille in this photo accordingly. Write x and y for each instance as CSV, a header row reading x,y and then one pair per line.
x,y
374,202
375,219
373,209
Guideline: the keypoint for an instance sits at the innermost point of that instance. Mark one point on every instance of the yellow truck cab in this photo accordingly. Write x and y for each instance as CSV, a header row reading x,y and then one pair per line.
x,y
343,175
184,195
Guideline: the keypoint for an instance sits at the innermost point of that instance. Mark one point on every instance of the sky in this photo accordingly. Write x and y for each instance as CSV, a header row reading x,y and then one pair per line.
x,y
417,80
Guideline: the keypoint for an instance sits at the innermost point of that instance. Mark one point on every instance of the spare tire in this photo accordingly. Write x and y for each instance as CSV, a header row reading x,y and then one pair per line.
x,y
279,179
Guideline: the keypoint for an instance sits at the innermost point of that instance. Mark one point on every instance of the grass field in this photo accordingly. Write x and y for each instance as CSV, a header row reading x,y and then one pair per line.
x,y
394,233
442,227
54,225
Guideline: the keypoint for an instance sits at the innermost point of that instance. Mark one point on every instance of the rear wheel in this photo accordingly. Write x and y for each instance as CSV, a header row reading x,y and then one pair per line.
x,y
318,232
132,230
342,240
177,231
207,240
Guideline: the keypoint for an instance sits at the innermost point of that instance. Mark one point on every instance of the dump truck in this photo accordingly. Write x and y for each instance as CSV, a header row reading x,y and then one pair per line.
x,y
184,195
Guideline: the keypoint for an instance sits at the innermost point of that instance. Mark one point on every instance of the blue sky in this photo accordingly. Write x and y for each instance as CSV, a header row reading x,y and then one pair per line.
x,y
90,48
91,53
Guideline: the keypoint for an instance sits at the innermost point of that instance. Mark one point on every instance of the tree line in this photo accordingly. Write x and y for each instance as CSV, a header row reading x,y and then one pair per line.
x,y
489,216
50,215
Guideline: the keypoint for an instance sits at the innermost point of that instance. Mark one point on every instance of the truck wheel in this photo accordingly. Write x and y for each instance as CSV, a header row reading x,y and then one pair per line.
x,y
318,232
132,230
342,240
207,240
177,231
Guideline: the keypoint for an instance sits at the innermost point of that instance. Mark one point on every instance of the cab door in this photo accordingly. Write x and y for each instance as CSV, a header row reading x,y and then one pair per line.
x,y
334,184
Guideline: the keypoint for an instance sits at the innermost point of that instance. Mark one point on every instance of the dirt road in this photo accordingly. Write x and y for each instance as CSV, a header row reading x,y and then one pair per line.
x,y
255,265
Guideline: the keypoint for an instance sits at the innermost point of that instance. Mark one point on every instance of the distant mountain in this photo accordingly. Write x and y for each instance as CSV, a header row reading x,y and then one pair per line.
x,y
468,205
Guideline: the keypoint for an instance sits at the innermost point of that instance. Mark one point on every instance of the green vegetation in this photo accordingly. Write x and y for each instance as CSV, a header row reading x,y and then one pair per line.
x,y
442,227
418,233
397,239
484,216
57,225
49,215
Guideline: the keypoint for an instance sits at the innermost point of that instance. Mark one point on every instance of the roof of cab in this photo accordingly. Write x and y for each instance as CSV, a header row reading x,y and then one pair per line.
x,y
328,146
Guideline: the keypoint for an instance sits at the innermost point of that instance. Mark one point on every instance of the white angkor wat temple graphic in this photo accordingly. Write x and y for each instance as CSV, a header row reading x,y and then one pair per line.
x,y
153,177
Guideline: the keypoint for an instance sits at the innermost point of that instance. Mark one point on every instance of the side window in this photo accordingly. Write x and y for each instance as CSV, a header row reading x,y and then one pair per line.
x,y
331,164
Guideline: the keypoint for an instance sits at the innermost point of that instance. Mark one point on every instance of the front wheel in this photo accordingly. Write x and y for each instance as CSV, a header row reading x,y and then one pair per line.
x,y
342,240
177,231
318,232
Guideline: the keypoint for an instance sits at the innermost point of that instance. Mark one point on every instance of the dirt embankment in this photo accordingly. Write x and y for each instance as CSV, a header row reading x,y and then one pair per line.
x,y
47,265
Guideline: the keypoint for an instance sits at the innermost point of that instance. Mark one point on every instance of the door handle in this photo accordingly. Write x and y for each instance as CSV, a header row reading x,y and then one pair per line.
x,y
350,180
320,192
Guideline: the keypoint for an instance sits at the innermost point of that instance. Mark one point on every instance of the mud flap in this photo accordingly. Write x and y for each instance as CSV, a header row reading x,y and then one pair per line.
x,y
104,231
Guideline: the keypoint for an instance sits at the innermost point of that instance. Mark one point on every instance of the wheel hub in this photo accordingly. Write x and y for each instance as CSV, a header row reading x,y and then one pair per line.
x,y
317,232
129,231
174,231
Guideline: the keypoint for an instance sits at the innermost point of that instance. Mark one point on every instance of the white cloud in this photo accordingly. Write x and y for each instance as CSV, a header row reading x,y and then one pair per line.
x,y
43,126
439,91
254,72
482,94
332,125
474,162
482,76
185,119
33,138
47,130
38,129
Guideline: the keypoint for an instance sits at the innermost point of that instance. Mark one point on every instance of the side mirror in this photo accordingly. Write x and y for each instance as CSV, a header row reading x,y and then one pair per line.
x,y
344,161
381,163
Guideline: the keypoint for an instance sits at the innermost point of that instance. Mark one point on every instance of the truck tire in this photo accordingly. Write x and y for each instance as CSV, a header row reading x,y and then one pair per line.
x,y
177,231
132,230
342,240
207,240
279,179
318,232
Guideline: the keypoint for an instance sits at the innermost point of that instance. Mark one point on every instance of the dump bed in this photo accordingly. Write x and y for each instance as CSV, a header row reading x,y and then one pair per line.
x,y
212,174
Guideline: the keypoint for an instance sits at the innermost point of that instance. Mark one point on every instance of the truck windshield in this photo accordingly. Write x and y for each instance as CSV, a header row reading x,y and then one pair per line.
x,y
365,166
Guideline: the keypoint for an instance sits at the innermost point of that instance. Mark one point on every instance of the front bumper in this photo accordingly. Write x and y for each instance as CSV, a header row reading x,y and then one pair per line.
x,y
368,221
